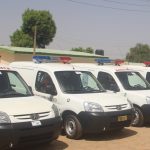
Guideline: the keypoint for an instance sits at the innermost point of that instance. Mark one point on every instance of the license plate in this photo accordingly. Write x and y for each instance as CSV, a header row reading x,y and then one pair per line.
x,y
122,118
36,123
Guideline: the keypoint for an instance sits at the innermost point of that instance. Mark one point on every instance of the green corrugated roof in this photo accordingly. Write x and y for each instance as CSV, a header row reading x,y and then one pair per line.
x,y
47,51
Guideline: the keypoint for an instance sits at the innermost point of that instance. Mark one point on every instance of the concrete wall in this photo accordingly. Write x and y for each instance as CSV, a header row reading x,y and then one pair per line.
x,y
7,57
23,57
83,59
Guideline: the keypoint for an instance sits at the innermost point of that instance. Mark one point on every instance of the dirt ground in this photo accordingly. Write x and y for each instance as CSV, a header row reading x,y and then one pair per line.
x,y
129,139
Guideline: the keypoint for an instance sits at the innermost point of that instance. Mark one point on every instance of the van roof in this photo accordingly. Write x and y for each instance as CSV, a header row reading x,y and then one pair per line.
x,y
138,68
4,67
108,68
47,66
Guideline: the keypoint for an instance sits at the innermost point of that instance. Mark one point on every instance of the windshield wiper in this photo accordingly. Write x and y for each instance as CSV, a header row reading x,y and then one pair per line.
x,y
73,91
84,91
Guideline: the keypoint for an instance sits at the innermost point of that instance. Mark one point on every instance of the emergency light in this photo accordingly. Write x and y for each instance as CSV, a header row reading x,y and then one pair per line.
x,y
40,59
101,61
118,62
65,59
147,63
49,59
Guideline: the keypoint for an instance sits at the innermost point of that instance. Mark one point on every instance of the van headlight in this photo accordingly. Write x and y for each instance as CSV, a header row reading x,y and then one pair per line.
x,y
4,118
56,111
148,99
92,107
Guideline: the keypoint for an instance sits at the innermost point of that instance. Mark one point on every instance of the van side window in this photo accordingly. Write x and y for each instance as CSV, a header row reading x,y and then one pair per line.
x,y
107,81
44,83
148,77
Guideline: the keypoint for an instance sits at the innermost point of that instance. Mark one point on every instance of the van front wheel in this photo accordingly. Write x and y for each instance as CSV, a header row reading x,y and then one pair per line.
x,y
139,118
72,127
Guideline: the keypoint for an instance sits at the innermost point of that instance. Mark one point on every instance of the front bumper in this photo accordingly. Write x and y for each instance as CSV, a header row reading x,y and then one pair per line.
x,y
24,133
146,112
101,121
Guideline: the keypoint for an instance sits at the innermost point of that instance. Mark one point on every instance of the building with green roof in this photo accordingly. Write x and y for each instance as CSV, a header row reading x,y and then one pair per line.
x,y
9,54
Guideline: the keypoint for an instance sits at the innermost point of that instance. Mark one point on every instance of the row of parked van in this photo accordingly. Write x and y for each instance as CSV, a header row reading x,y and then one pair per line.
x,y
76,98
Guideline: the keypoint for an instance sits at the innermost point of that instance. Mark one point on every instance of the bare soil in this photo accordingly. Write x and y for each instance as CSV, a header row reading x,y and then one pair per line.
x,y
128,139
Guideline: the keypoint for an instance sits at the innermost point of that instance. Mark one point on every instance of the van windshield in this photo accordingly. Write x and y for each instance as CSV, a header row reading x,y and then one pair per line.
x,y
77,82
12,85
132,81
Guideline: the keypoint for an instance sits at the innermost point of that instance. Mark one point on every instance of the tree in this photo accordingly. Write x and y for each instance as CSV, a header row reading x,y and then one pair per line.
x,y
89,50
80,49
20,39
139,53
44,23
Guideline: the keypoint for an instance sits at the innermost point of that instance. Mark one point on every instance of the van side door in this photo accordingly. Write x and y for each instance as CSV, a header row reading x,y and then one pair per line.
x,y
44,85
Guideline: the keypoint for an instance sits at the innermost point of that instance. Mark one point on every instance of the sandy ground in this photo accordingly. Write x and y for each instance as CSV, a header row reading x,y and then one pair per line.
x,y
128,139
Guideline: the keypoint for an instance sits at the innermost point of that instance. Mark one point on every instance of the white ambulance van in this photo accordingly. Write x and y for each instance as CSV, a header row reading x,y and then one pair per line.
x,y
125,81
24,118
83,103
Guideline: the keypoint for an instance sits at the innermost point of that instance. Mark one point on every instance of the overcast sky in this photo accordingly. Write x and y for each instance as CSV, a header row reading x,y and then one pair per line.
x,y
112,25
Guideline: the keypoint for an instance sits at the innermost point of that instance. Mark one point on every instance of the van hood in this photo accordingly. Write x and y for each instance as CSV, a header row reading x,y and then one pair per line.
x,y
140,93
138,97
24,105
104,99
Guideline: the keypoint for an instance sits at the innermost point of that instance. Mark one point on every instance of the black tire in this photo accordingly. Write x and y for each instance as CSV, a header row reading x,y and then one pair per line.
x,y
138,121
72,127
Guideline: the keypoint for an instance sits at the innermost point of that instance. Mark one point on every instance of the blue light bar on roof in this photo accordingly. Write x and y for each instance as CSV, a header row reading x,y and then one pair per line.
x,y
103,60
48,59
40,59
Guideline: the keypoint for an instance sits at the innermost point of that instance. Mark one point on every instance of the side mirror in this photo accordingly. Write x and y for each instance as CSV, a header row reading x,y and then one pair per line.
x,y
114,88
51,90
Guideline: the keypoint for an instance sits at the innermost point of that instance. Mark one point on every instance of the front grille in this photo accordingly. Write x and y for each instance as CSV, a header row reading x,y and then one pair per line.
x,y
36,138
117,107
32,116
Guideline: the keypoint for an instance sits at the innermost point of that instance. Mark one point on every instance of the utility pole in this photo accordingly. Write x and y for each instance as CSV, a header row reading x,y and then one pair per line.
x,y
34,41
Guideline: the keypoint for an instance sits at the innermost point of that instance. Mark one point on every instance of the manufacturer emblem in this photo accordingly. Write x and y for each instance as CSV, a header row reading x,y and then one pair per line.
x,y
118,107
34,116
